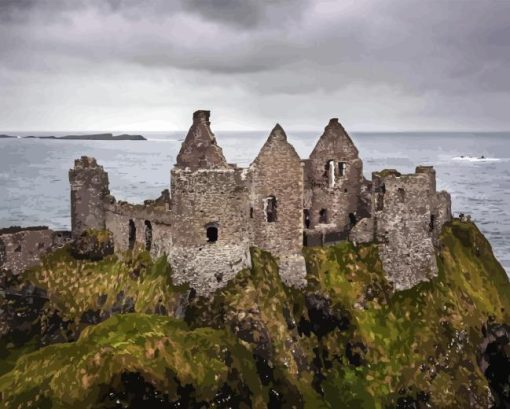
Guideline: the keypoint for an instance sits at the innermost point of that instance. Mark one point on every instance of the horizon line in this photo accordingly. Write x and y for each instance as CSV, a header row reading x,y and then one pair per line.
x,y
5,132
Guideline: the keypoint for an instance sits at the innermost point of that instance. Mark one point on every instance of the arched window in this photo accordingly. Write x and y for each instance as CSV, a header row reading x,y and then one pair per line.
x,y
148,235
212,233
323,216
132,234
270,209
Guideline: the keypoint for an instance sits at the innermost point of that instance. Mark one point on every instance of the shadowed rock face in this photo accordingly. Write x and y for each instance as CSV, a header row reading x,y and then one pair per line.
x,y
199,150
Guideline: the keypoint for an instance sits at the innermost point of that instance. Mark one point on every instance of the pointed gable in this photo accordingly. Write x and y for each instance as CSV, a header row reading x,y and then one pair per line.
x,y
334,143
276,146
200,150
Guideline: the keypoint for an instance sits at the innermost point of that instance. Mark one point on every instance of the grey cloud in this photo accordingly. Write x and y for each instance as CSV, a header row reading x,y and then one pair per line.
x,y
437,51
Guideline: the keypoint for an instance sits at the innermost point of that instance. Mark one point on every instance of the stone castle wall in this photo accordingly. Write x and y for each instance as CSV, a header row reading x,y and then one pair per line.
x,y
276,180
406,222
335,174
89,189
210,229
143,226
22,248
216,211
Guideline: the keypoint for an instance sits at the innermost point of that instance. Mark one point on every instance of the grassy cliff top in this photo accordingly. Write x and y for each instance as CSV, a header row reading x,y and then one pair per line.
x,y
347,340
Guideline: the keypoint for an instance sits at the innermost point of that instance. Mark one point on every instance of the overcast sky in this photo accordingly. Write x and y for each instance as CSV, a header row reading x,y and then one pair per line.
x,y
132,65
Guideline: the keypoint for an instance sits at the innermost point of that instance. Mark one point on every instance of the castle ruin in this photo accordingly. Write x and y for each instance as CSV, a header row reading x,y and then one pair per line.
x,y
215,211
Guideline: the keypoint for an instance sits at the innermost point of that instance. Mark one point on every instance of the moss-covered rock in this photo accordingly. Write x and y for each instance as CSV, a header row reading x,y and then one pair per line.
x,y
92,245
346,340
163,350
86,291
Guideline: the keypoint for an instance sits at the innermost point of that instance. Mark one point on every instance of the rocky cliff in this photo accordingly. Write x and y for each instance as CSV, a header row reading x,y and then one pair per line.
x,y
116,332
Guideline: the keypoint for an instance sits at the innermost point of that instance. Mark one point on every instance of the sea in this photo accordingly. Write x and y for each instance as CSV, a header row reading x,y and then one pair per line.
x,y
473,166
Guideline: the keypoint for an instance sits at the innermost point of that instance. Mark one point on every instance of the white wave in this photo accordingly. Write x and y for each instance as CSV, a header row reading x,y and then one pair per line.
x,y
476,159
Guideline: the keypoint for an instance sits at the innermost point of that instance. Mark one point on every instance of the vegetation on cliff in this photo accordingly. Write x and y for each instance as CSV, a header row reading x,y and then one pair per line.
x,y
90,372
347,340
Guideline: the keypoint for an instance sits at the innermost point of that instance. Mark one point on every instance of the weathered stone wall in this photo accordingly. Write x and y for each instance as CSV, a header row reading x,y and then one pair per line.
x,y
277,173
442,210
89,189
363,231
334,173
22,248
200,150
209,199
217,211
403,206
150,227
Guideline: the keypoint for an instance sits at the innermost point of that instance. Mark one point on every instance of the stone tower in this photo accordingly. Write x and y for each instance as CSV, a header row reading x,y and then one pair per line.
x,y
210,227
276,203
334,175
89,189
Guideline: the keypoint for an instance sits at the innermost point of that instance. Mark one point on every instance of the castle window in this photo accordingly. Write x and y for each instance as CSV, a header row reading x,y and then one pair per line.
x,y
379,198
148,235
341,168
323,216
270,209
251,212
212,233
131,234
331,173
306,218
352,219
432,223
401,195
18,249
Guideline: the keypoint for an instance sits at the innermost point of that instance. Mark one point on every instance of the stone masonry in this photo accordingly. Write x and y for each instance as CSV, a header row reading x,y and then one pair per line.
x,y
22,248
215,211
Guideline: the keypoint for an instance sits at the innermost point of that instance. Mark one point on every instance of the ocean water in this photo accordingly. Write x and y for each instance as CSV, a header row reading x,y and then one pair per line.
x,y
34,188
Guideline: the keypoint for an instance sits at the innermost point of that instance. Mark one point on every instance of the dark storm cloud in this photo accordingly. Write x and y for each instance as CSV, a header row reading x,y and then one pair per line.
x,y
415,56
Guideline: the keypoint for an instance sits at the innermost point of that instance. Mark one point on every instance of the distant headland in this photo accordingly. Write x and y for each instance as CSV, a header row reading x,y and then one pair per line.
x,y
92,137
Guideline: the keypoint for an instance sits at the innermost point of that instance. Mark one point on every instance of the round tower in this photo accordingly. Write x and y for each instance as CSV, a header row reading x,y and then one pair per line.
x,y
89,188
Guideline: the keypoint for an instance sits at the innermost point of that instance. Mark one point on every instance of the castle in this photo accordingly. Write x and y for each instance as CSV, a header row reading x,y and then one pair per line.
x,y
215,211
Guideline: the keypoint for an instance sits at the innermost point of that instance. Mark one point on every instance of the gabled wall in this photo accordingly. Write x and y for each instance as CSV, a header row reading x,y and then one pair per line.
x,y
334,176
277,172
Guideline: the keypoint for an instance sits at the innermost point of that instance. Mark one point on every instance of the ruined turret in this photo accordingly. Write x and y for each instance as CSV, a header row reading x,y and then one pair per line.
x,y
334,175
89,188
200,150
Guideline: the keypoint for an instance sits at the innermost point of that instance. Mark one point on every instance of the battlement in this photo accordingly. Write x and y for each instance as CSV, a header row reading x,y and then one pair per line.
x,y
215,211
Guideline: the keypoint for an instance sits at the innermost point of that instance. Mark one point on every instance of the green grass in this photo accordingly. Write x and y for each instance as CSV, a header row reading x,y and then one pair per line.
x,y
421,342
160,348
77,286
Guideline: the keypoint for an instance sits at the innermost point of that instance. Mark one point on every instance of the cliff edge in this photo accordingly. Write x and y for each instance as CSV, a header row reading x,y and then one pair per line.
x,y
122,335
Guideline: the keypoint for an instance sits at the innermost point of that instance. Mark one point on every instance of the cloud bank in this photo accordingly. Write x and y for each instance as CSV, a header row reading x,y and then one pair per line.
x,y
128,65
